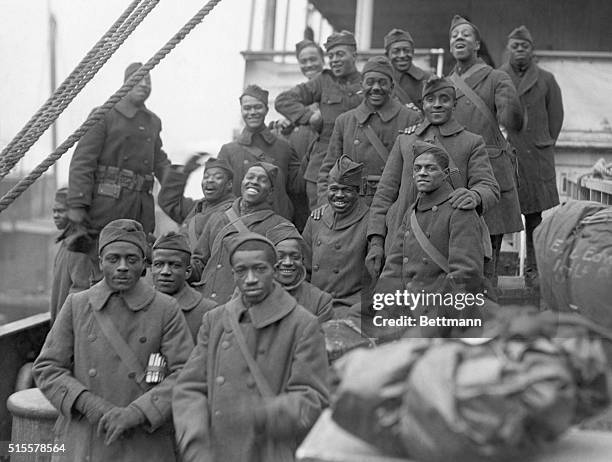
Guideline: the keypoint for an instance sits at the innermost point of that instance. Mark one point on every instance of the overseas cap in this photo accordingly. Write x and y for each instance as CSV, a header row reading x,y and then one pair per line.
x,y
340,38
123,230
397,35
283,231
61,195
521,33
422,147
130,70
346,172
458,20
305,44
256,92
435,83
271,170
261,243
172,241
378,64
219,163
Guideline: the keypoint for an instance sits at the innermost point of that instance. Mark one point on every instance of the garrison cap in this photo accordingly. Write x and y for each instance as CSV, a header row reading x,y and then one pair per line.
x,y
61,195
346,172
521,33
283,231
261,243
435,83
340,38
130,70
211,162
378,64
397,35
458,20
421,147
256,92
123,230
172,241
271,169
305,44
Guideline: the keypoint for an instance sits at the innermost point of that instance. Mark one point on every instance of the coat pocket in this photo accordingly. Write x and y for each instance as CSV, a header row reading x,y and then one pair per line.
x,y
503,163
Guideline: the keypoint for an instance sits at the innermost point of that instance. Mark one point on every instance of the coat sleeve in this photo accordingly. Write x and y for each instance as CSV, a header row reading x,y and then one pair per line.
x,y
507,103
162,164
81,271
201,251
170,197
53,369
325,310
293,104
176,345
386,192
554,106
190,401
334,151
480,176
295,178
465,250
307,236
294,412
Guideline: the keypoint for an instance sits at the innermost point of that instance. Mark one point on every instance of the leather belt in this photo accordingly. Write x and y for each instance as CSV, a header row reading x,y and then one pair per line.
x,y
125,178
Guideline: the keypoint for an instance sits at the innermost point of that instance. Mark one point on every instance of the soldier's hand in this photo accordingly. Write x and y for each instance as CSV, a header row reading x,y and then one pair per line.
x,y
317,213
464,199
374,258
77,214
117,421
316,120
194,162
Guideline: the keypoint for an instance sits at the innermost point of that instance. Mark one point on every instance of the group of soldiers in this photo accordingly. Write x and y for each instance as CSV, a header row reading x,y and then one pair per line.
x,y
384,179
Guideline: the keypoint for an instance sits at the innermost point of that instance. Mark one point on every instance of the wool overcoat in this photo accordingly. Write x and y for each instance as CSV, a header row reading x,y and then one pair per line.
x,y
409,85
77,356
542,105
193,305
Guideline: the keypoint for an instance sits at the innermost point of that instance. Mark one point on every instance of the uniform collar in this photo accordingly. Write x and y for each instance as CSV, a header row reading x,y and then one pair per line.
x,y
528,80
477,76
333,222
293,287
136,299
353,77
188,298
451,127
391,108
415,72
435,198
246,137
275,307
129,110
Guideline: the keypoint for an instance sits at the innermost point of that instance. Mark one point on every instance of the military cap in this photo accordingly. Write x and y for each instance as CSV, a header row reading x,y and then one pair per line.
x,y
211,162
123,230
421,147
378,64
435,83
397,35
258,241
172,241
458,20
346,172
521,33
340,38
256,92
305,44
283,231
130,70
61,195
271,169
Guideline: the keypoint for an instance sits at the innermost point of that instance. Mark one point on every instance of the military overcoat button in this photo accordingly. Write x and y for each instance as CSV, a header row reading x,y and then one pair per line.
x,y
142,339
131,375
220,380
225,344
92,372
91,337
434,208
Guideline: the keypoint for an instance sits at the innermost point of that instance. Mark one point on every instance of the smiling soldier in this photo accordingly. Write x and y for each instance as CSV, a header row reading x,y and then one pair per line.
x,y
367,133
257,379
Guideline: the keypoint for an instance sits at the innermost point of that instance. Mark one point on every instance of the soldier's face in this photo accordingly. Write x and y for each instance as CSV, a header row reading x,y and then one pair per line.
x,y
169,270
342,60
400,54
438,106
253,274
60,215
255,186
141,91
464,43
311,62
342,198
253,112
377,88
427,173
122,264
290,265
521,51
215,184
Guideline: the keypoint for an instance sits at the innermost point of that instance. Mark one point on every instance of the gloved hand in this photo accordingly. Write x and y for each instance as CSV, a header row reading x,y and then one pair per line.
x,y
316,120
78,215
193,163
374,258
118,420
92,406
464,199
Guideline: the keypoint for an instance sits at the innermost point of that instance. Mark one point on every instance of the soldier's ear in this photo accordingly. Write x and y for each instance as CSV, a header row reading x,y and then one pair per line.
x,y
188,271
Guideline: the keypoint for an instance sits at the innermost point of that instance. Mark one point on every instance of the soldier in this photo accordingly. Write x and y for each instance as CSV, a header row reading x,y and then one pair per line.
x,y
311,58
368,132
338,239
112,168
543,108
257,379
72,271
291,272
170,268
471,173
217,188
91,366
486,99
251,212
409,78
336,90
257,143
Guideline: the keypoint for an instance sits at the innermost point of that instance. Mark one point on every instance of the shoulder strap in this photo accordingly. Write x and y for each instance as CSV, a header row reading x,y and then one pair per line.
x,y
260,380
122,349
402,94
426,244
236,221
376,143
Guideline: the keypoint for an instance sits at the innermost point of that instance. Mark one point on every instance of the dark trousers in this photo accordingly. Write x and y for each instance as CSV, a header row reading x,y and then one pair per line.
x,y
311,192
532,220
490,266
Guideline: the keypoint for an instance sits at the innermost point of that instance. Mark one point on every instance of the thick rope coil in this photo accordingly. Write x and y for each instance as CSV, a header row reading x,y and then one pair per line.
x,y
97,115
74,83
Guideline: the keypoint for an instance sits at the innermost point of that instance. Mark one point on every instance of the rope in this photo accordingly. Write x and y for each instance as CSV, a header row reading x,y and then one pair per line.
x,y
99,113
74,83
